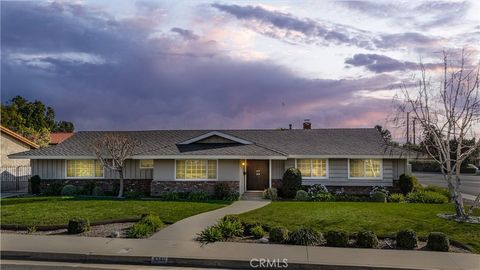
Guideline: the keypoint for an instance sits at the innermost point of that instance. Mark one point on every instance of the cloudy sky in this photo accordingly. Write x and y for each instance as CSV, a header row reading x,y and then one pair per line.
x,y
111,65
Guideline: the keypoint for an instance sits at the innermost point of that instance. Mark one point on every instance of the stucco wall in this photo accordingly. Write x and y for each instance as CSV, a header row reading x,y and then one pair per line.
x,y
9,146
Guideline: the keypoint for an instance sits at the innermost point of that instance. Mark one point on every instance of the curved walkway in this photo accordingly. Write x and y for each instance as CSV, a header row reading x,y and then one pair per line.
x,y
187,229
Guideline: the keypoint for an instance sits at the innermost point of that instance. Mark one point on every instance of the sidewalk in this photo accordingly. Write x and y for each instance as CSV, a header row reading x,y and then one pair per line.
x,y
222,255
188,228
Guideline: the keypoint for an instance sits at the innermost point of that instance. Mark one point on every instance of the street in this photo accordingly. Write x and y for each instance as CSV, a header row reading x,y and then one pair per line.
x,y
470,184
41,265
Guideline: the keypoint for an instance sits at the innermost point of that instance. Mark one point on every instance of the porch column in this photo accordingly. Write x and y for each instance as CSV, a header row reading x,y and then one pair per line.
x,y
269,173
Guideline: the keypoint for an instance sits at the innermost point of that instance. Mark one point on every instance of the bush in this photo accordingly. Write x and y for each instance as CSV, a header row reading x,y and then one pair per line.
x,y
291,182
133,194
153,221
258,232
378,197
230,228
397,198
407,183
139,230
438,241
426,197
97,191
270,193
221,191
234,218
198,196
69,190
351,198
171,196
53,189
317,189
278,235
367,239
248,226
88,188
78,225
441,190
233,196
35,184
336,238
323,197
302,195
305,236
209,235
406,239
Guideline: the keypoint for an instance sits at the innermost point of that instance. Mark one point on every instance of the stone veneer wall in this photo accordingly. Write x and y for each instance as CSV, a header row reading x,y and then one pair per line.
x,y
108,185
159,188
361,190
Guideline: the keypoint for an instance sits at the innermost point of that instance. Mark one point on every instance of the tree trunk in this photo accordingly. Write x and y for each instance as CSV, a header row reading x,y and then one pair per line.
x,y
458,200
120,190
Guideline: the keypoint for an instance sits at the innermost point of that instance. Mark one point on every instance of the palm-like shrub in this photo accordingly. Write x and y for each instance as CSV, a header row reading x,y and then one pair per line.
x,y
278,234
367,239
305,236
406,239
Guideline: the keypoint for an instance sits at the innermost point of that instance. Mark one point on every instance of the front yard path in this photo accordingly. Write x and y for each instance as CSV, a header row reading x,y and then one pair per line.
x,y
187,229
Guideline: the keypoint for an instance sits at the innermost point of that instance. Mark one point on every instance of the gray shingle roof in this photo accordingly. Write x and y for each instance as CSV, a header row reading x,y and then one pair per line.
x,y
332,142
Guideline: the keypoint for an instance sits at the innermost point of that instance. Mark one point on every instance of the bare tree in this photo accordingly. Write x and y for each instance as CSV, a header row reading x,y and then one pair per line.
x,y
112,150
448,111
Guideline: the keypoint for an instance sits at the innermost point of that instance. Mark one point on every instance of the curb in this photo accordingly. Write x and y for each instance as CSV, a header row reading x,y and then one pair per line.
x,y
172,261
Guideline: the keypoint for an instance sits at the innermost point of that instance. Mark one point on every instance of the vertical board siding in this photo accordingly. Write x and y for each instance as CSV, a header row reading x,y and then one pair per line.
x,y
289,163
278,168
338,169
387,170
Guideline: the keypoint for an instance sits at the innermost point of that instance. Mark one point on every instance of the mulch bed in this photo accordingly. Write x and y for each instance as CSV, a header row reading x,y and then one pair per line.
x,y
385,243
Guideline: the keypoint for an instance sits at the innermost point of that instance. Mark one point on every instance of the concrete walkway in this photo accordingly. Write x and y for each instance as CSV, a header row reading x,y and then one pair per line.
x,y
223,254
187,229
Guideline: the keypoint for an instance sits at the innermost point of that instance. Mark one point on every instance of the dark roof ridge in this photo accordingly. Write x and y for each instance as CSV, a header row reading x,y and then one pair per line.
x,y
206,130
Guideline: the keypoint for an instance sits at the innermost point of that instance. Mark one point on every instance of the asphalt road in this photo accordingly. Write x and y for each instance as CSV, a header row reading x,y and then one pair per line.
x,y
470,184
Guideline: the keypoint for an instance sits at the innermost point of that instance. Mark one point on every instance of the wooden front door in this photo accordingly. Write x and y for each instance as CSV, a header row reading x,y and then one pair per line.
x,y
257,174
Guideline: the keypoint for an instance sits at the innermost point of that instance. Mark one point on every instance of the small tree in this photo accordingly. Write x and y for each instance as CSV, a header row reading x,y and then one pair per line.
x,y
112,150
291,182
448,111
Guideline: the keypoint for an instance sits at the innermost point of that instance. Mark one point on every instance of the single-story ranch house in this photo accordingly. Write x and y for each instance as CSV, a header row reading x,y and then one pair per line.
x,y
248,160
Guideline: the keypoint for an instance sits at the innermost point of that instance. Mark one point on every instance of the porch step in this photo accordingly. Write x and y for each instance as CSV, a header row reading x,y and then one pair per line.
x,y
252,195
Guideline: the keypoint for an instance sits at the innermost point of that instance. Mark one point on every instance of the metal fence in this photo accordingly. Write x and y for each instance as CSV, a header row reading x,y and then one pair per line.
x,y
15,179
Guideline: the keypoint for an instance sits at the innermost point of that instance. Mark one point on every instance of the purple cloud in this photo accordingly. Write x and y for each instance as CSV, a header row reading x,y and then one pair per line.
x,y
381,63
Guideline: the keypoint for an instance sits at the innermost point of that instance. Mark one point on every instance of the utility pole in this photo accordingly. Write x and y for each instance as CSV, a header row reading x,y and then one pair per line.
x,y
413,129
408,127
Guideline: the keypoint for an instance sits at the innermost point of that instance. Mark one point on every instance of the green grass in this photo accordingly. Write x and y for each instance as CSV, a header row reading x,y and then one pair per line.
x,y
382,218
58,210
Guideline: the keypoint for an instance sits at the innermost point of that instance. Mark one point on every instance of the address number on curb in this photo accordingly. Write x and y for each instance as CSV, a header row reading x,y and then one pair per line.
x,y
159,260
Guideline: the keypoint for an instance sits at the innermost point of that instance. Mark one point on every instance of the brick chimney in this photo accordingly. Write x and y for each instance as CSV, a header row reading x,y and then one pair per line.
x,y
307,124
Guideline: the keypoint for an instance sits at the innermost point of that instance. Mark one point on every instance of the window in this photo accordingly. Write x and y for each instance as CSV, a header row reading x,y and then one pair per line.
x,y
314,168
365,168
84,168
146,164
196,169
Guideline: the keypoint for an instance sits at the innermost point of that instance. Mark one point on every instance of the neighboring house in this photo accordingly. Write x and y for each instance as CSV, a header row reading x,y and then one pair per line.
x,y
12,143
58,137
247,160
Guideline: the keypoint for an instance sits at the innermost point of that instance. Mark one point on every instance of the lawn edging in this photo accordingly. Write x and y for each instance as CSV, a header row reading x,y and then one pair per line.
x,y
21,227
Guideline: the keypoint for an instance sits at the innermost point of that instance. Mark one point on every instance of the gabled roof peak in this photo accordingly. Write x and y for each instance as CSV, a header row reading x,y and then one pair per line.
x,y
216,133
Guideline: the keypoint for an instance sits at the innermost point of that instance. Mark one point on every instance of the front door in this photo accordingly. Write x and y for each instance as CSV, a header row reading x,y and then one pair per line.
x,y
257,174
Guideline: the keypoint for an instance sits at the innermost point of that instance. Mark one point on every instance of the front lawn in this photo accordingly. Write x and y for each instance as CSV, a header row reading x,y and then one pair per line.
x,y
382,218
58,210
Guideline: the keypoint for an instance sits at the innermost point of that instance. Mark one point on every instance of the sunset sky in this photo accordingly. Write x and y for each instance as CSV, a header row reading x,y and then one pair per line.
x,y
128,65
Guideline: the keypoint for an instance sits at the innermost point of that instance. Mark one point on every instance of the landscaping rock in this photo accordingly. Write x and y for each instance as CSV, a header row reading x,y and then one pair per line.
x,y
115,234
263,240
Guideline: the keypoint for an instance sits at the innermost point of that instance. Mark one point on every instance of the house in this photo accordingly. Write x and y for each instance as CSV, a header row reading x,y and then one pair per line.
x,y
58,137
11,143
353,160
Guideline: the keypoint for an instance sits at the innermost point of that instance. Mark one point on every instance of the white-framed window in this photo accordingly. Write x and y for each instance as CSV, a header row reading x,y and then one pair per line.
x,y
146,164
313,168
365,168
195,169
84,168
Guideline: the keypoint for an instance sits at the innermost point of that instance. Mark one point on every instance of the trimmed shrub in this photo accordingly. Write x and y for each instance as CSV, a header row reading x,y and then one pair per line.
x,y
88,188
302,195
258,232
441,190
270,193
53,189
323,197
396,198
221,191
367,239
342,197
69,190
291,182
133,194
35,184
209,235
230,228
233,196
305,236
316,189
378,197
139,230
78,225
426,197
278,235
233,218
438,241
406,239
97,191
407,183
198,196
153,221
336,238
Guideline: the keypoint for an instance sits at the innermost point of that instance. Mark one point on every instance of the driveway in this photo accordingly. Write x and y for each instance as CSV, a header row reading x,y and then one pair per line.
x,y
470,183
